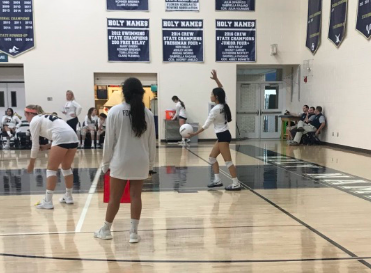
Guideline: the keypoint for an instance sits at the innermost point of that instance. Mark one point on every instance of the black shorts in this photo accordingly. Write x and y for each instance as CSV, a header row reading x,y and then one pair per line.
x,y
180,117
69,146
224,136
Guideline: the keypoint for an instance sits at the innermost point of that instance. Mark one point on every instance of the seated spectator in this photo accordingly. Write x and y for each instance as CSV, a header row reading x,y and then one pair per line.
x,y
10,123
90,125
302,117
101,127
316,124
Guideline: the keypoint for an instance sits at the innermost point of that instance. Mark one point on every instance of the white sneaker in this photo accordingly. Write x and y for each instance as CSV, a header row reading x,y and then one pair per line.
x,y
103,234
233,187
215,183
7,147
134,238
66,199
43,204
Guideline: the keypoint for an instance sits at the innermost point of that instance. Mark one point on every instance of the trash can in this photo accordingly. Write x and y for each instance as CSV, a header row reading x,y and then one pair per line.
x,y
195,129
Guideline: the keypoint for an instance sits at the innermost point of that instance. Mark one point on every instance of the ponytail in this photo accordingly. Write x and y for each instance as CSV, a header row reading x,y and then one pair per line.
x,y
133,93
220,95
181,103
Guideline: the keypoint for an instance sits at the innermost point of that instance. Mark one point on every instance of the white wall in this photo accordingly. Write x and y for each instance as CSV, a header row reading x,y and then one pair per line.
x,y
71,44
340,82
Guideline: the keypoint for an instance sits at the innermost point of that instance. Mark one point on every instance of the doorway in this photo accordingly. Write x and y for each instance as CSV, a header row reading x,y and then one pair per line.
x,y
259,106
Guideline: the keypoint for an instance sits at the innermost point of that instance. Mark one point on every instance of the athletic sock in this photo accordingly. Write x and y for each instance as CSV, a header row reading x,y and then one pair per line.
x,y
49,195
107,225
216,177
235,181
134,226
69,191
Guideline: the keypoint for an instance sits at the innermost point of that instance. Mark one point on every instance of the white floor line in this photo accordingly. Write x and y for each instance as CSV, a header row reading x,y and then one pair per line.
x,y
92,189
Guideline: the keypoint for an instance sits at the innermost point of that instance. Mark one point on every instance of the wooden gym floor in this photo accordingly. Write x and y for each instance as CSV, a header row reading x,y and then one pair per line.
x,y
303,209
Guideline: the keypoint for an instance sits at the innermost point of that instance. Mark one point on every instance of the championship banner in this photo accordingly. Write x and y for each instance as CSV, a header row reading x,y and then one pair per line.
x,y
127,5
338,21
314,25
16,27
182,5
364,18
236,40
128,40
235,5
182,40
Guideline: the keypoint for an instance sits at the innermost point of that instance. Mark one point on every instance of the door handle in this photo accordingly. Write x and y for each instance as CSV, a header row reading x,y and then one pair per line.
x,y
257,112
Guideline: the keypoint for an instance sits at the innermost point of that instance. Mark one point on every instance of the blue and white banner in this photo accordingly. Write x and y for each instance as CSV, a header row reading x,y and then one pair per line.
x,y
182,5
235,5
128,40
338,21
364,18
127,4
236,40
16,26
183,40
314,25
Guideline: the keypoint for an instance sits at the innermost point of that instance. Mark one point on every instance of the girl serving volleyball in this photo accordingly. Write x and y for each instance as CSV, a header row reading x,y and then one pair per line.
x,y
220,116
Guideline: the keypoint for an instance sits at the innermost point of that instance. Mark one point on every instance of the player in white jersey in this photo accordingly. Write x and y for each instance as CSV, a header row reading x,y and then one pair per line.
x,y
72,110
10,123
180,113
91,121
220,115
129,152
62,151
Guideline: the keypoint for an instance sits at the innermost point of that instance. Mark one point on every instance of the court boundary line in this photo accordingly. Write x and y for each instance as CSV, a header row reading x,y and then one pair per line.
x,y
185,261
84,211
293,217
143,230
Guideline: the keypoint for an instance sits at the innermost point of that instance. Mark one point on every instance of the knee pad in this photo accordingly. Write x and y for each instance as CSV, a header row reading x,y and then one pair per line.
x,y
229,164
212,160
67,172
50,173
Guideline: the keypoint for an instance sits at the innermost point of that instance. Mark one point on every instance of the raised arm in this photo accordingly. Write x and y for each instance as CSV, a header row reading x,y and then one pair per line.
x,y
214,76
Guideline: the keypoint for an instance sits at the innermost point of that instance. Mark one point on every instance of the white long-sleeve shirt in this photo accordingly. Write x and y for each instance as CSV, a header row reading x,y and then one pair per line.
x,y
91,122
180,110
8,120
72,108
127,156
52,128
217,117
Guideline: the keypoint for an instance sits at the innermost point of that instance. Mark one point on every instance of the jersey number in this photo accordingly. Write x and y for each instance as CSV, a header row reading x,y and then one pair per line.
x,y
51,117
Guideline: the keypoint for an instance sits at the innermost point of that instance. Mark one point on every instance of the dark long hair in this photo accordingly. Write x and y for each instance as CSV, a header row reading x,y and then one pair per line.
x,y
11,110
181,103
133,93
90,112
220,95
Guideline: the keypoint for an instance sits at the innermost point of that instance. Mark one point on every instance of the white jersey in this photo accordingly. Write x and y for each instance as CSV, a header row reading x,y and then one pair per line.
x,y
91,122
52,128
72,108
217,117
180,110
127,156
11,121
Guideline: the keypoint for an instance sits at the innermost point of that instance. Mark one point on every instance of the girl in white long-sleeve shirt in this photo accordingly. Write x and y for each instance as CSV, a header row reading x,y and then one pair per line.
x,y
10,122
129,152
72,110
180,114
220,115
62,151
90,124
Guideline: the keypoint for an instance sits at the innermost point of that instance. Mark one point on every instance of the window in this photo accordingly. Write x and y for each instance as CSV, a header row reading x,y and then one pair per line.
x,y
2,99
13,97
